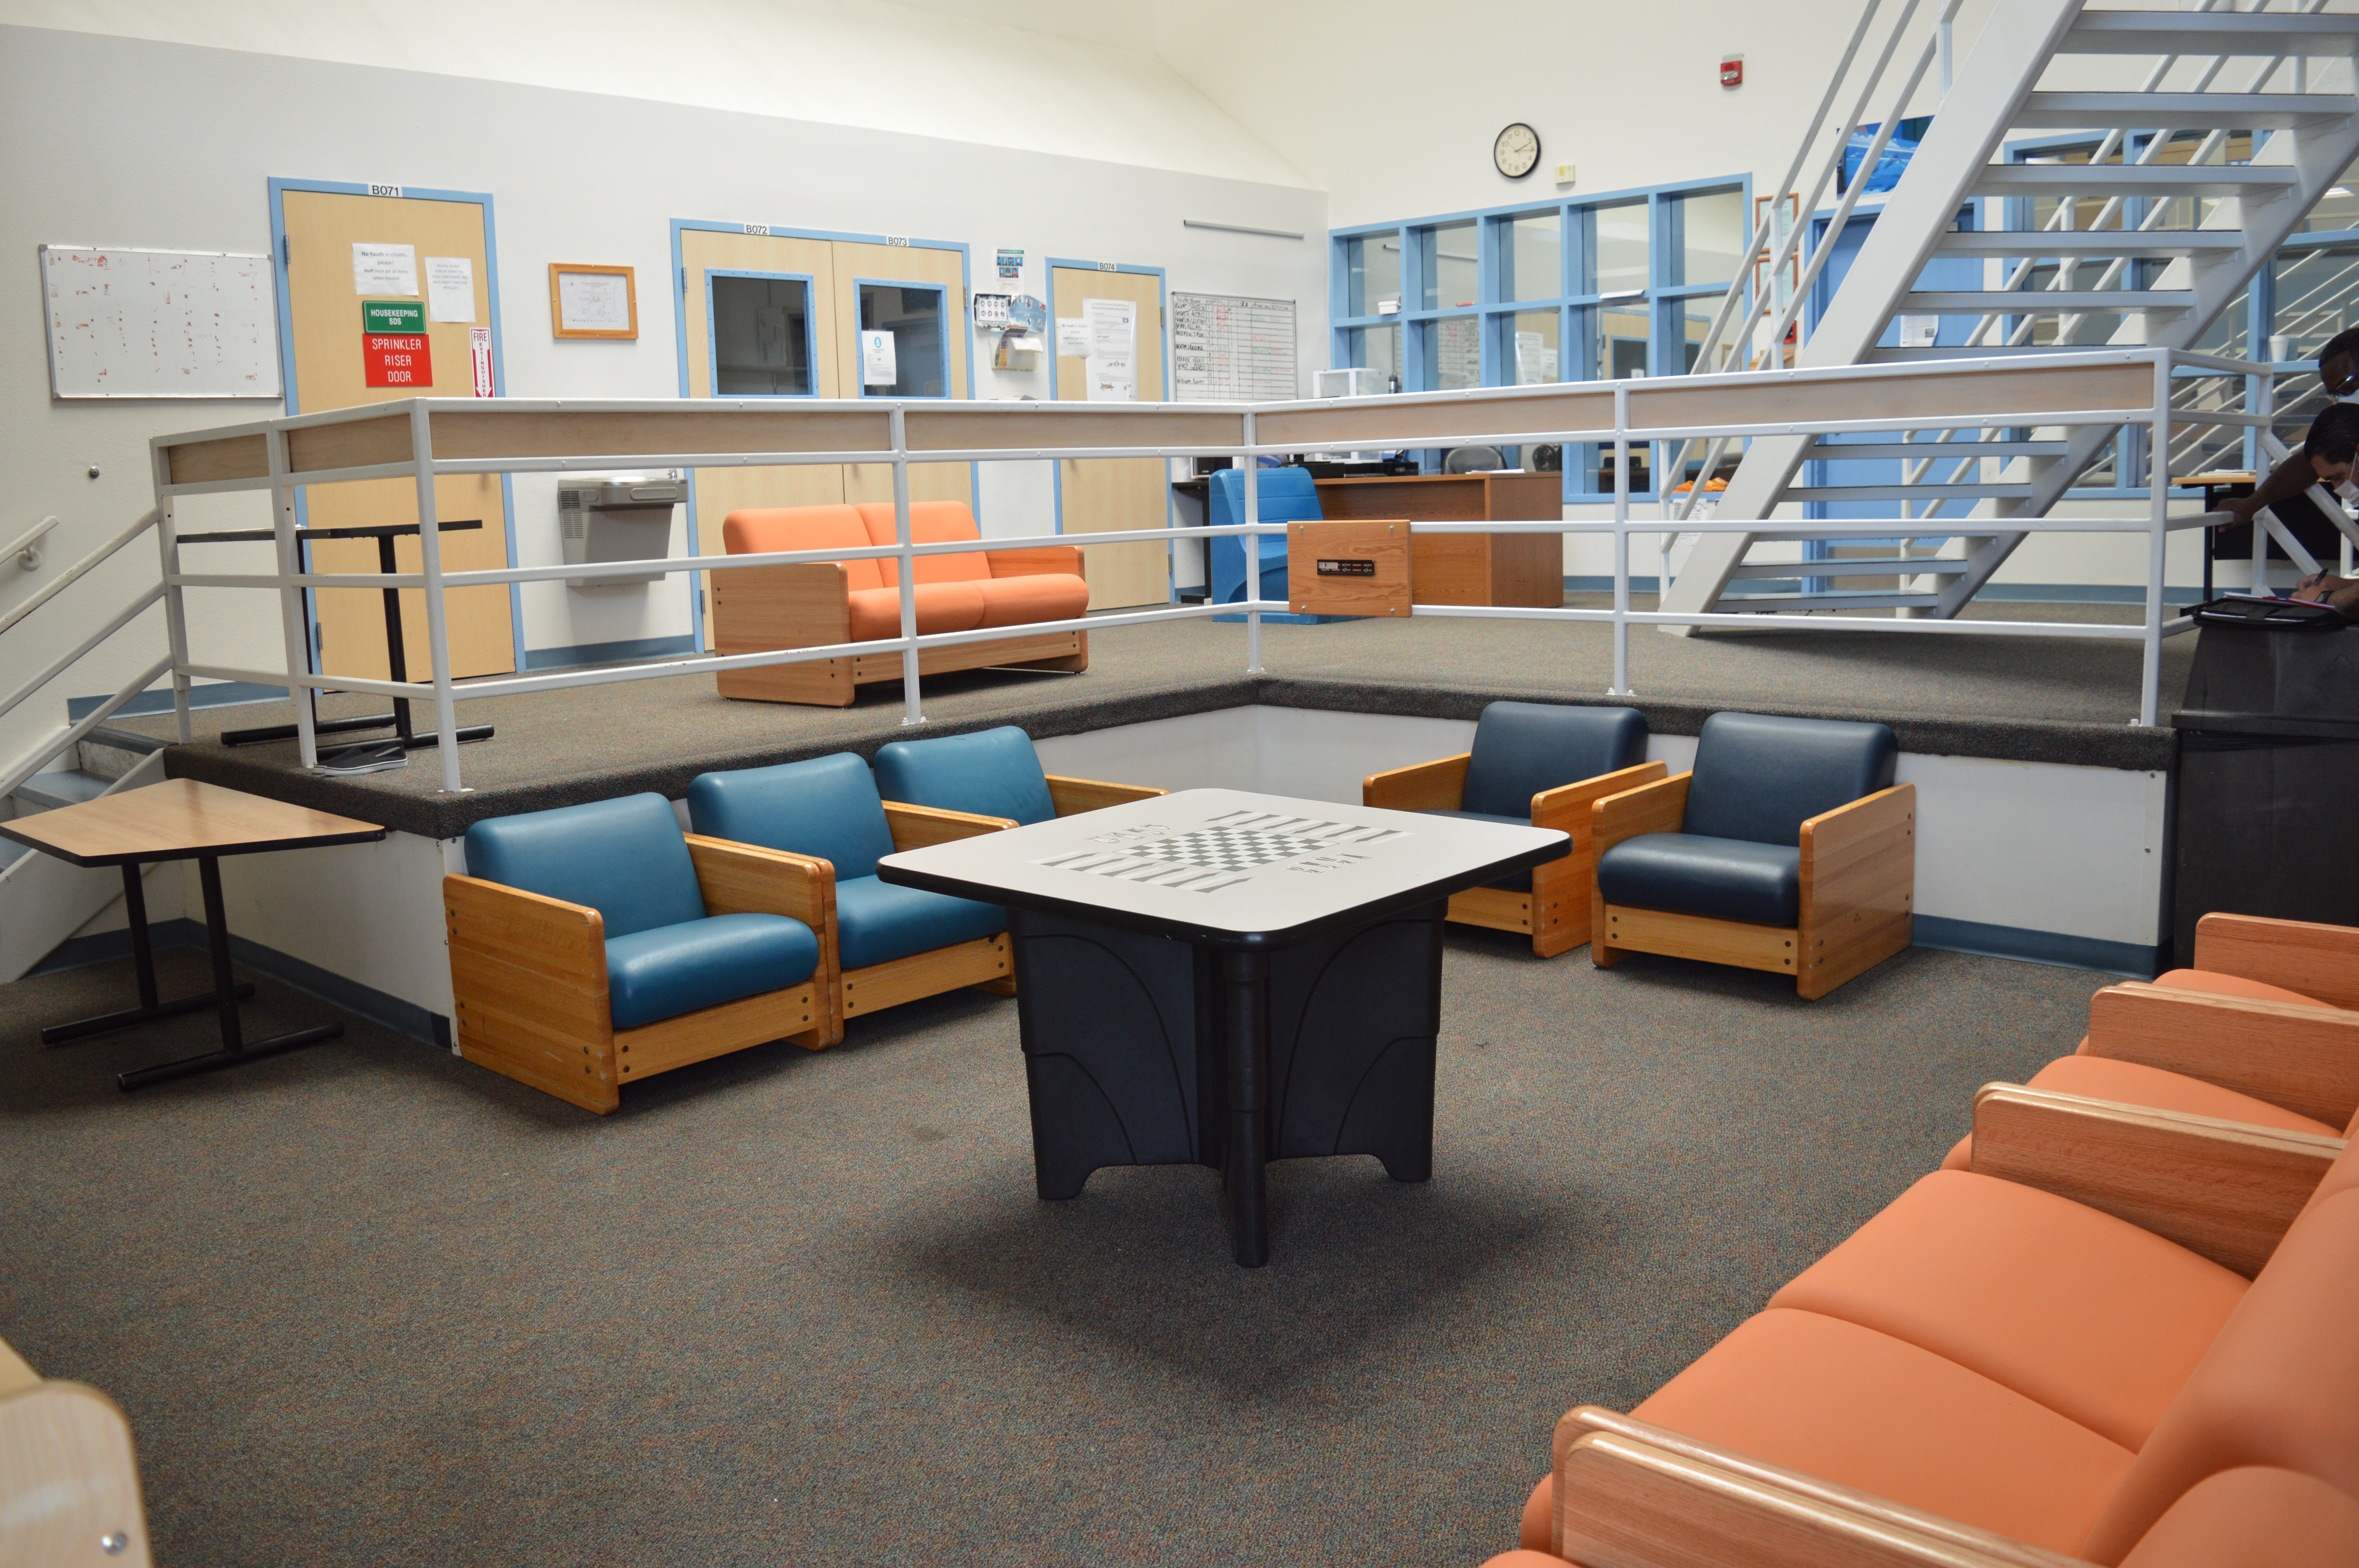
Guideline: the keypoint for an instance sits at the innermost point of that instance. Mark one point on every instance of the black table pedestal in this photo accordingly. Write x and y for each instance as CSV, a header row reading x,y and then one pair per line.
x,y
143,962
1143,1050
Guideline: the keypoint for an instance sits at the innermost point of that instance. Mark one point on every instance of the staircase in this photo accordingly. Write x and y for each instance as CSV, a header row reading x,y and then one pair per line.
x,y
2145,242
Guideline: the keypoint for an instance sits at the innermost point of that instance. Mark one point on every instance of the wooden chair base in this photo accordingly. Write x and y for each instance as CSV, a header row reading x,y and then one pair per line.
x,y
983,962
1827,958
630,1054
834,683
1557,924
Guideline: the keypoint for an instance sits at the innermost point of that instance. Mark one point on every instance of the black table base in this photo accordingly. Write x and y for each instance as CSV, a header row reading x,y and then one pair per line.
x,y
1140,1050
224,998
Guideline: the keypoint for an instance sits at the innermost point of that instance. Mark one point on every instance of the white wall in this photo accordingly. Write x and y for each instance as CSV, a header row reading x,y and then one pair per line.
x,y
181,159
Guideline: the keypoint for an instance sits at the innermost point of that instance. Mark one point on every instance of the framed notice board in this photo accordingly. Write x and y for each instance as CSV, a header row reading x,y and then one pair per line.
x,y
587,301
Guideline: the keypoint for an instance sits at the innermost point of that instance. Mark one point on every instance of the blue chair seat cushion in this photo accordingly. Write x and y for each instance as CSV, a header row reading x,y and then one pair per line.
x,y
1720,878
674,969
1522,881
877,921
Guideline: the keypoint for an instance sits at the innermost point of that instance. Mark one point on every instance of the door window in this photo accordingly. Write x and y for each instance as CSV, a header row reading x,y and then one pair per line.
x,y
914,349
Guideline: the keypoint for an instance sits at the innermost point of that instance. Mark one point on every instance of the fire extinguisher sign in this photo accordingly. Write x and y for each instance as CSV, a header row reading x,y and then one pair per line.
x,y
479,349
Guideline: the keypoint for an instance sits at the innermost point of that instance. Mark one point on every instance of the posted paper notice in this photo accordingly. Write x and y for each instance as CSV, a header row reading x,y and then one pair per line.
x,y
451,288
1114,378
876,362
385,269
1072,338
1113,327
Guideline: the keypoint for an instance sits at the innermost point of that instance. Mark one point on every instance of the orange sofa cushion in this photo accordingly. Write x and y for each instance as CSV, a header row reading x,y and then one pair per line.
x,y
1861,1409
1540,1516
2231,985
2253,1517
941,607
930,522
2100,1321
2279,1388
2133,1083
1046,596
766,530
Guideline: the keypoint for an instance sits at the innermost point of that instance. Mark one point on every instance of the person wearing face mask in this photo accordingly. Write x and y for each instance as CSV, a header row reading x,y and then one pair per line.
x,y
2284,491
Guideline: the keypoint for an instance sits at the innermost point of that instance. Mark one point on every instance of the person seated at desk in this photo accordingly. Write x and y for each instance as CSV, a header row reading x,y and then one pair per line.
x,y
2326,457
2283,490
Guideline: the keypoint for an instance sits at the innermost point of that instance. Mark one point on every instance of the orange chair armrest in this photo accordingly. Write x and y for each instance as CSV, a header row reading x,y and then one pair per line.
x,y
2221,1189
2303,1058
1568,807
1072,795
1437,785
1658,807
1039,560
2320,961
915,827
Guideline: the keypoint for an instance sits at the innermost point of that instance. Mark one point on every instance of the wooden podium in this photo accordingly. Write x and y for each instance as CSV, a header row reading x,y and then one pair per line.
x,y
1525,569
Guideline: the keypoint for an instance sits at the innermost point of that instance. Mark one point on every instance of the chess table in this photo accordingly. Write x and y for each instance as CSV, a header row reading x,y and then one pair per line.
x,y
1224,979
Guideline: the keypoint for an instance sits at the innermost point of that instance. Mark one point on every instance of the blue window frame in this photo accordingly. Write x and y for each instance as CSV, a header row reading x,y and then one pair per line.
x,y
766,318
916,314
1591,288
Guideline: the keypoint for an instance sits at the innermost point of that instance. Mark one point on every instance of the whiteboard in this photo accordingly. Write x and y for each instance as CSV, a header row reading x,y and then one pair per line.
x,y
126,323
1230,348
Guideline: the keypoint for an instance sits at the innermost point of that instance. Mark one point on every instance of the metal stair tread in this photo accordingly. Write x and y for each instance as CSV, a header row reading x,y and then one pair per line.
x,y
2014,243
1941,451
1852,565
1896,492
2202,32
2039,301
1831,599
67,786
2104,178
2183,111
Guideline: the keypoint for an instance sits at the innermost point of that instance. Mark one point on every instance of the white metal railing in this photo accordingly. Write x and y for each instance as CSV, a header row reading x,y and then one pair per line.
x,y
1490,416
49,747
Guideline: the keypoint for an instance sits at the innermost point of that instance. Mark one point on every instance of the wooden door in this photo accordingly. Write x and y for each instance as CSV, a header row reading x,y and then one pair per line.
x,y
324,304
856,263
1102,494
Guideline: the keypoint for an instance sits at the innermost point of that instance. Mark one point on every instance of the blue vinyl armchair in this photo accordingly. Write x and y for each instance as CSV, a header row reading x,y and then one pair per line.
x,y
1787,848
594,946
890,945
1533,764
1288,495
993,774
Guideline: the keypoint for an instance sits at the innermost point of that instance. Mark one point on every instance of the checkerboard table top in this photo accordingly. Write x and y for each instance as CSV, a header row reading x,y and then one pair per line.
x,y
1226,866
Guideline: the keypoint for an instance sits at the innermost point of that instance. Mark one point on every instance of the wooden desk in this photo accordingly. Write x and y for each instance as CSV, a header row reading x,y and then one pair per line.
x,y
1222,978
181,819
1467,569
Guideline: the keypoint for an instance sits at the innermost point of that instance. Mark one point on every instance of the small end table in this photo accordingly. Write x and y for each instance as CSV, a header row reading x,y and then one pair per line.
x,y
181,819
406,738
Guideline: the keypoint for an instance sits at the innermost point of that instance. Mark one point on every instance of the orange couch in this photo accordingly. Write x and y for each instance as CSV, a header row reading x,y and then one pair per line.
x,y
2002,1369
818,603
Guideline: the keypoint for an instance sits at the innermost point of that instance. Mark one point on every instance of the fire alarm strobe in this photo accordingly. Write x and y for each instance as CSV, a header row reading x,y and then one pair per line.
x,y
1732,71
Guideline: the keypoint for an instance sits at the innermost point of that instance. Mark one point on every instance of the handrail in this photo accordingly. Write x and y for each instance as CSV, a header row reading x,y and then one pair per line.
x,y
34,760
23,548
79,569
57,666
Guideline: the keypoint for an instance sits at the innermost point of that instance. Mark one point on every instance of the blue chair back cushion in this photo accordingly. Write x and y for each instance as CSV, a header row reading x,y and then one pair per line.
x,y
1720,878
674,969
624,857
1524,748
1518,882
1287,495
827,807
877,921
992,772
1760,778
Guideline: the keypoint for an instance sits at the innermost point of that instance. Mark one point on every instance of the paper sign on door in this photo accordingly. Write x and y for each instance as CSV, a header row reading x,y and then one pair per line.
x,y
1072,337
479,348
877,364
384,269
450,288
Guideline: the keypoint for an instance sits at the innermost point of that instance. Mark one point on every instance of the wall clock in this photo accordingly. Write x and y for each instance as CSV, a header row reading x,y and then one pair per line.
x,y
1516,151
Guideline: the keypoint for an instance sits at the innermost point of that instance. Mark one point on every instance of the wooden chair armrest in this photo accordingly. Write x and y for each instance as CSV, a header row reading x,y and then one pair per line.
x,y
68,1478
1658,807
803,604
1437,785
746,879
915,827
1040,560
1568,807
547,935
2303,1058
2303,956
1073,795
2222,1189
1630,1493
16,1373
1870,821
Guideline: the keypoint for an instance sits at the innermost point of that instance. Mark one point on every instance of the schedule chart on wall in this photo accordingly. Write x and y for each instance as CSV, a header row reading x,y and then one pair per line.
x,y
1229,347
1222,978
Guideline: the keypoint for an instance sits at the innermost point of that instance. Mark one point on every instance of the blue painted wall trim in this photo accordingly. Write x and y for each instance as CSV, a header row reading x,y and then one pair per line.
x,y
607,653
213,693
402,1017
2138,961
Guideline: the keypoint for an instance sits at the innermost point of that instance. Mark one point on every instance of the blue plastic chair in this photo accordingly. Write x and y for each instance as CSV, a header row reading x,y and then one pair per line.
x,y
1288,495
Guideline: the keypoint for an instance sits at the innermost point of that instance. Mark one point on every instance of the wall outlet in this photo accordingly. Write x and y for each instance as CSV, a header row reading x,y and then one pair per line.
x,y
1564,174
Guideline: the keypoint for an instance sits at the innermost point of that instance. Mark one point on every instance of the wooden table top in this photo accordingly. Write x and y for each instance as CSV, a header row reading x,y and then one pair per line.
x,y
180,820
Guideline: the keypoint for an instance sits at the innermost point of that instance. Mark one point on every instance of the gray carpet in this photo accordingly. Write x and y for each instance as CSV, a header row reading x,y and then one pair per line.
x,y
2027,698
369,1304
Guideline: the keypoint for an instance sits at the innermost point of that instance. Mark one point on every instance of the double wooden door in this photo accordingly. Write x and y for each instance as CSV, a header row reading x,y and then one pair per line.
x,y
1097,496
781,316
325,294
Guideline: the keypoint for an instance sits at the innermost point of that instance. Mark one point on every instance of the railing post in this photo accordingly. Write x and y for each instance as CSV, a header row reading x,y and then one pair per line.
x,y
301,699
898,422
438,635
176,611
1621,687
2158,468
1252,542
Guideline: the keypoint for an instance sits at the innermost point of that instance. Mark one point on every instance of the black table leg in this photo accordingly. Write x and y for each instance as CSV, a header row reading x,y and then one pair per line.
x,y
1246,1022
234,1048
143,960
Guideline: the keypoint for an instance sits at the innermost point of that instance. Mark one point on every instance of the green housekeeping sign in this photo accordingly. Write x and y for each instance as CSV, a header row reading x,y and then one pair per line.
x,y
404,317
